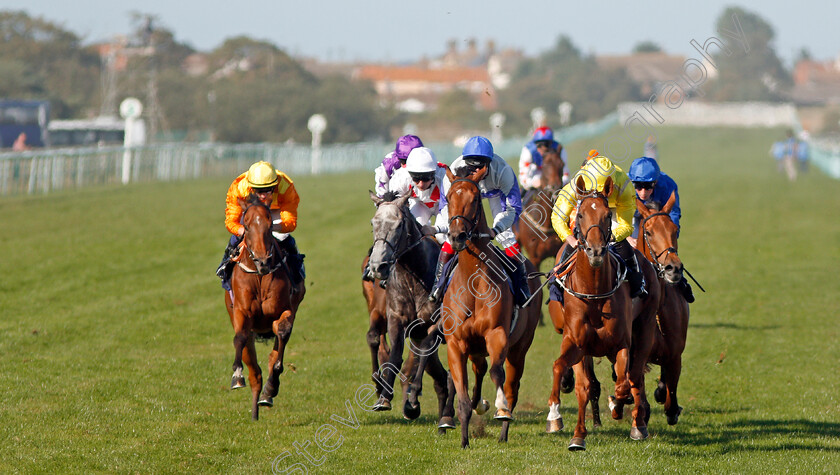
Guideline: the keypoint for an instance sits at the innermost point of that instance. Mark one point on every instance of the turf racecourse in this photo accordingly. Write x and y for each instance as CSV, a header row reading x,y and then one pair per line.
x,y
117,352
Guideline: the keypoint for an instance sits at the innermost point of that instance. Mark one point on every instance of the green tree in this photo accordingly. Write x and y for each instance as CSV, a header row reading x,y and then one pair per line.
x,y
647,47
756,74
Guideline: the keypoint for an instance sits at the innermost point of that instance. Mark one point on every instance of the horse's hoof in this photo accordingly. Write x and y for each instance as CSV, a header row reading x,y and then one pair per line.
x,y
482,407
554,426
659,394
503,415
237,382
411,412
576,444
567,384
382,404
266,401
674,418
446,422
639,433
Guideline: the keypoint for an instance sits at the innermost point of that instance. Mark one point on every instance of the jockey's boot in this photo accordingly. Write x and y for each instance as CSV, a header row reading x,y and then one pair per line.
x,y
520,283
227,265
685,290
294,259
367,275
634,275
436,295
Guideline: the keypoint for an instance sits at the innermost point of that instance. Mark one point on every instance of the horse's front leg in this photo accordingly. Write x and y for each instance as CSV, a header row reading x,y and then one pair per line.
x,y
241,330
623,394
423,354
282,329
479,367
389,371
497,349
458,369
249,356
570,354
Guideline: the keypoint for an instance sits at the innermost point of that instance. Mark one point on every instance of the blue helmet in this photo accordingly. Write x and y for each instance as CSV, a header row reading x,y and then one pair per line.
x,y
644,169
543,134
478,146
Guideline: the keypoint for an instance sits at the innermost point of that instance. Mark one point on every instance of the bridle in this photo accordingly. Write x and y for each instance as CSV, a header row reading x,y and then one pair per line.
x,y
395,249
473,222
605,235
272,247
671,250
621,271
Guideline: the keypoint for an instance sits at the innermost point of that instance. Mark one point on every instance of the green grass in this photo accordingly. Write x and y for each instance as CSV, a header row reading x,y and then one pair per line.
x,y
117,352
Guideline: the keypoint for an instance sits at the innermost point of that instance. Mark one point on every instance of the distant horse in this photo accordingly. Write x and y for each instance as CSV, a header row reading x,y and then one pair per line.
x,y
533,230
263,303
598,320
404,256
658,242
478,311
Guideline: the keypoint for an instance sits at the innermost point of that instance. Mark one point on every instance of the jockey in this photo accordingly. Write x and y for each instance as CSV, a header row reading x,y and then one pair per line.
x,y
502,193
394,161
622,202
422,178
276,190
654,187
530,160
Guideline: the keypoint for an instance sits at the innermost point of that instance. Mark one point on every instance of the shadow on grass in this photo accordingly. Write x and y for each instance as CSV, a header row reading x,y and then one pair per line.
x,y
762,435
733,326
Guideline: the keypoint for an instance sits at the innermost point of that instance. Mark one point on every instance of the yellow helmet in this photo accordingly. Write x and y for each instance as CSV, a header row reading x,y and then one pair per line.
x,y
261,175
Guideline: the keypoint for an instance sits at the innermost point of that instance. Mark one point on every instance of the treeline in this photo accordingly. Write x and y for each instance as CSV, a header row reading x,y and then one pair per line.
x,y
253,91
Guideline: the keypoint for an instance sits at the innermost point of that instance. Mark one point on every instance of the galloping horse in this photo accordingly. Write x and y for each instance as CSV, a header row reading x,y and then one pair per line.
x,y
658,242
598,320
262,303
477,315
533,230
406,258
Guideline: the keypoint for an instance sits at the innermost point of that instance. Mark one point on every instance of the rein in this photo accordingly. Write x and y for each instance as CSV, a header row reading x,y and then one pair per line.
x,y
659,267
273,246
670,250
394,248
621,272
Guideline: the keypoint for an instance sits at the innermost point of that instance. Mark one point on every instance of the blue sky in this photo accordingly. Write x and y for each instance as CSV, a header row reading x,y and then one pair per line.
x,y
378,30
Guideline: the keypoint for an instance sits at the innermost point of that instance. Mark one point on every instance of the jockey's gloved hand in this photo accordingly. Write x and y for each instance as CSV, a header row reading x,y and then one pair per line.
x,y
495,231
442,228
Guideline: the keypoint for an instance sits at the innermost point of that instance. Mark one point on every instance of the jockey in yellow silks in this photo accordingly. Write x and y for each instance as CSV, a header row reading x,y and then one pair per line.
x,y
622,202
277,191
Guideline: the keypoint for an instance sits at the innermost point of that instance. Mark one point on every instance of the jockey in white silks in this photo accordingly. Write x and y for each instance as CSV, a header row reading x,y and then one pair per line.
x,y
422,178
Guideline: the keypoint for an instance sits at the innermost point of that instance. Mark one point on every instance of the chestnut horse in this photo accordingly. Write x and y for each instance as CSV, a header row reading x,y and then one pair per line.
x,y
658,242
262,303
533,230
598,320
477,315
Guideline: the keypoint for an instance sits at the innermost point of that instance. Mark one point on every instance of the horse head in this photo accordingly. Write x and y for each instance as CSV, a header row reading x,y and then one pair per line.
x,y
659,239
466,216
258,239
594,221
390,229
552,171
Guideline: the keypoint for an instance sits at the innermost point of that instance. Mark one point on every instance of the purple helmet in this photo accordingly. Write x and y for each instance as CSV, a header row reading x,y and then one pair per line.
x,y
405,145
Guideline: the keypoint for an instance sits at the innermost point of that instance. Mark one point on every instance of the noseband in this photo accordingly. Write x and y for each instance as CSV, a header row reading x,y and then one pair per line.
x,y
271,247
473,222
671,250
396,248
605,235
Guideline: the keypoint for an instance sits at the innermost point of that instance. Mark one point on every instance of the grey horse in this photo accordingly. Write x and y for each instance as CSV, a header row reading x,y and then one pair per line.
x,y
405,258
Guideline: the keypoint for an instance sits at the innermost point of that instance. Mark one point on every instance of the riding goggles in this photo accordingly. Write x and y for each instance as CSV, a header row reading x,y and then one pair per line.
x,y
644,185
418,177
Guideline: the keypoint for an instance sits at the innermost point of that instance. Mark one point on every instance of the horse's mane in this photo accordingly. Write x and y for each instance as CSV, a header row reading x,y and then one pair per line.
x,y
390,196
464,172
653,205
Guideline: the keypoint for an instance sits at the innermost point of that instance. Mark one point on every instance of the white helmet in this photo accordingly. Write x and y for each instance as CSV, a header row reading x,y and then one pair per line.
x,y
421,160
